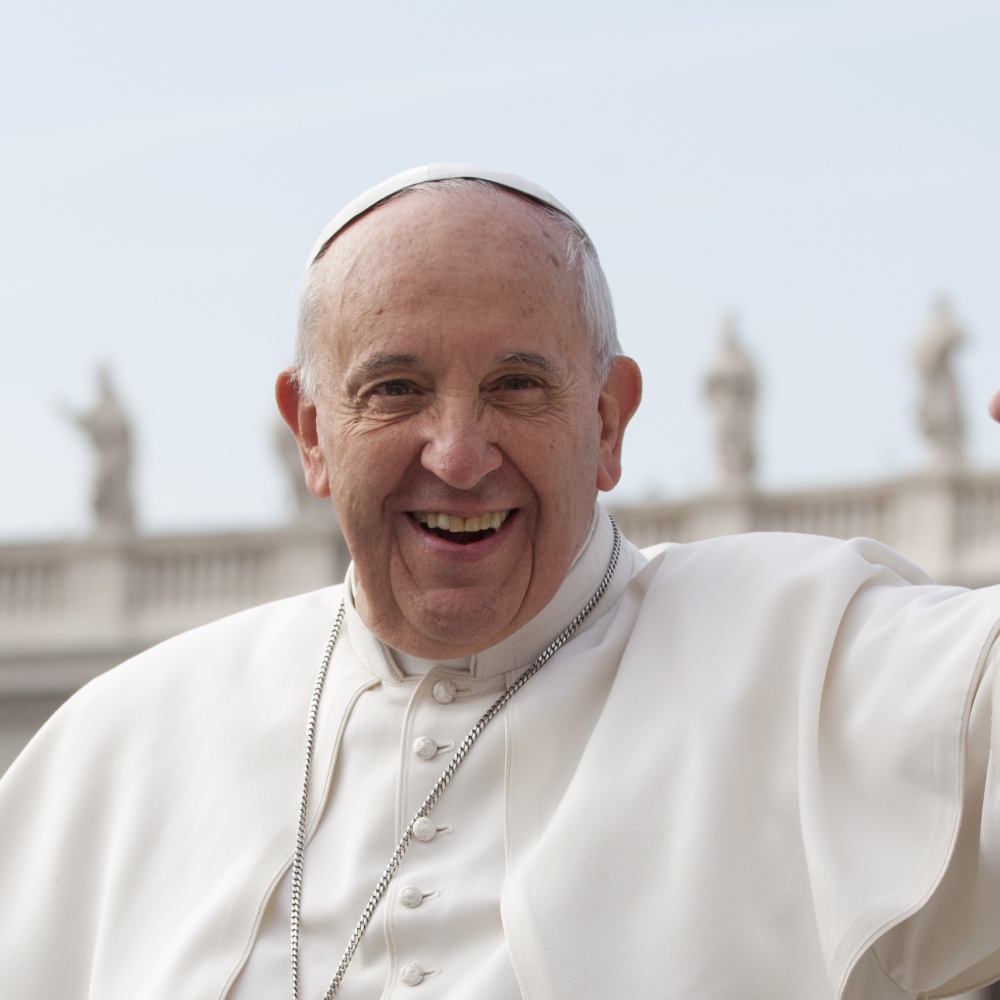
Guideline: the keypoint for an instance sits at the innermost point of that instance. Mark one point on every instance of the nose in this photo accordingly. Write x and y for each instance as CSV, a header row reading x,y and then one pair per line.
x,y
459,449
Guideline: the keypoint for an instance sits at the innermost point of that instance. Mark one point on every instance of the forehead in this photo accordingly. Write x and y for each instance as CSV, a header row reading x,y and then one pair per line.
x,y
424,243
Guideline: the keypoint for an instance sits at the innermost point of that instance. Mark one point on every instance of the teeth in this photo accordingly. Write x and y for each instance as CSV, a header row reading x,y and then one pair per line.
x,y
449,522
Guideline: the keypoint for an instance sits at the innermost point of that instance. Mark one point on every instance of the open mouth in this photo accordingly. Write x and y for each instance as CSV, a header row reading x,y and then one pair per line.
x,y
461,530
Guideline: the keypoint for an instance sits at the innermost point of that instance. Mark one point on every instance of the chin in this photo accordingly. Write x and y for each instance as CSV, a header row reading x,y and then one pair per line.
x,y
456,632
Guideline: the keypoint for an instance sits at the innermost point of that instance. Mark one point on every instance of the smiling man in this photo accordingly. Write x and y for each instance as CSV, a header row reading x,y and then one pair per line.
x,y
538,762
454,365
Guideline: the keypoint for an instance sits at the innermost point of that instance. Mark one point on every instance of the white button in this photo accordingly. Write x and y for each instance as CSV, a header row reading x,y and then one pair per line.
x,y
411,974
444,692
424,829
425,748
410,896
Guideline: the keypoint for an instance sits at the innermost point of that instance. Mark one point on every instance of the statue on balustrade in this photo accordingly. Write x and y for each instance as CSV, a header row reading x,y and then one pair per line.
x,y
731,391
107,425
940,406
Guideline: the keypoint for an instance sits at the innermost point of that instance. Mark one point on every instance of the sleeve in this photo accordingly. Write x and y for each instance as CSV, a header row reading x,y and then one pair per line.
x,y
952,943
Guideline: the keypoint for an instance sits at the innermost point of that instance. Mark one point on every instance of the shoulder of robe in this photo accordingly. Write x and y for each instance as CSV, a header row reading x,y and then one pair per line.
x,y
248,671
792,592
774,554
141,828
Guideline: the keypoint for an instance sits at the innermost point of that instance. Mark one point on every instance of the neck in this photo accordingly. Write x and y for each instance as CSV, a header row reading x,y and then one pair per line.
x,y
515,650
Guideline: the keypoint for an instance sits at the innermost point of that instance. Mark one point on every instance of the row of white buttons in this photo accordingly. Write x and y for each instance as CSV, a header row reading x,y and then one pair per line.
x,y
411,897
424,829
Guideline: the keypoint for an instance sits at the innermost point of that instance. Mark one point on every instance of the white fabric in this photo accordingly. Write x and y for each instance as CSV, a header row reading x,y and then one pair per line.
x,y
745,777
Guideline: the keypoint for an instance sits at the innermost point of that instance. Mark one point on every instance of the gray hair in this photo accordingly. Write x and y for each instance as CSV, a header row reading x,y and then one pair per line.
x,y
581,258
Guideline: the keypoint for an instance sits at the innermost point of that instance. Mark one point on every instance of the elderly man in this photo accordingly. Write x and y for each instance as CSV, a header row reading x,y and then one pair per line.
x,y
538,762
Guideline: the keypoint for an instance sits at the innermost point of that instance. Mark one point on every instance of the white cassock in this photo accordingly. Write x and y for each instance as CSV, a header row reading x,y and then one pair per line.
x,y
760,769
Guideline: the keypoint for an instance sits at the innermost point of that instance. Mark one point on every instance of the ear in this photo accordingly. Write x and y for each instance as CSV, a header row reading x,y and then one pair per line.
x,y
300,415
994,406
619,399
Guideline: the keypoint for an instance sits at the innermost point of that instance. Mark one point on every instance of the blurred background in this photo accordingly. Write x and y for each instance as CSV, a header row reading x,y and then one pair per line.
x,y
819,172
812,176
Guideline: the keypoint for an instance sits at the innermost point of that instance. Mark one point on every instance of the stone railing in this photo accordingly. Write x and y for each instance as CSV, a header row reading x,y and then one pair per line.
x,y
839,514
137,590
70,610
119,594
947,523
32,584
164,578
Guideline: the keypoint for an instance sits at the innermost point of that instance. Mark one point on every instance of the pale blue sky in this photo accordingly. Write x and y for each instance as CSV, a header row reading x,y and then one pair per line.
x,y
821,170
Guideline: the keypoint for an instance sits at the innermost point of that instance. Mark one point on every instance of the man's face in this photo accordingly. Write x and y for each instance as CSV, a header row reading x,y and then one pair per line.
x,y
459,424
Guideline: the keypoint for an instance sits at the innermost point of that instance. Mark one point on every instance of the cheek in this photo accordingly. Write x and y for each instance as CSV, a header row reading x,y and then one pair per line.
x,y
355,454
366,471
564,476
577,454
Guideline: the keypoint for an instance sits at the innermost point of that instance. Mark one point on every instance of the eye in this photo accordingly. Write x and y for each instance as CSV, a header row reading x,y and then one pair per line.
x,y
397,387
513,382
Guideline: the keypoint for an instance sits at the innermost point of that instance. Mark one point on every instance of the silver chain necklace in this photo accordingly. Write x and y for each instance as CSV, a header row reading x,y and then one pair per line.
x,y
435,793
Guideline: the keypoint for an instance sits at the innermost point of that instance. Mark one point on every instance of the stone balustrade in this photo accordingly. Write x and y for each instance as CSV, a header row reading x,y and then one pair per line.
x,y
72,609
140,590
948,523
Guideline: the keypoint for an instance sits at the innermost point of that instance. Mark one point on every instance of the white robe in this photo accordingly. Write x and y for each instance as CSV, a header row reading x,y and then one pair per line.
x,y
761,769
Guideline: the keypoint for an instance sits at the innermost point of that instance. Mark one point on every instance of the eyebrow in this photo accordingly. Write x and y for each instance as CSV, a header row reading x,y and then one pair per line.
x,y
384,363
529,359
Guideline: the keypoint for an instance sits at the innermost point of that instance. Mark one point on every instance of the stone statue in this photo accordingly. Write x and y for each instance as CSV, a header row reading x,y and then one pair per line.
x,y
107,426
940,407
731,391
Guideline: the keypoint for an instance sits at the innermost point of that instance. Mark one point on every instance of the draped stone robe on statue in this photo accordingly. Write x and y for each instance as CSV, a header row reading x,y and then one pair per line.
x,y
762,768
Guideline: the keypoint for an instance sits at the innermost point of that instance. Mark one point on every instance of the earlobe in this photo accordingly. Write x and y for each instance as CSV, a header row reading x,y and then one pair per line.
x,y
619,400
300,415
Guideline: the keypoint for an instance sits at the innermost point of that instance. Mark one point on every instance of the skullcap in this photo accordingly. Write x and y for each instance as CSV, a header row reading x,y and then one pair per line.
x,y
430,172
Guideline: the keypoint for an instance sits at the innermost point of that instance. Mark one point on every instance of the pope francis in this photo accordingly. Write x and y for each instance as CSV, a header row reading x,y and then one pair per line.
x,y
513,756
